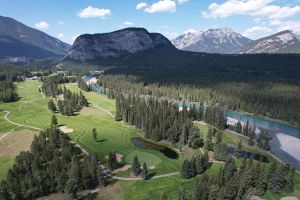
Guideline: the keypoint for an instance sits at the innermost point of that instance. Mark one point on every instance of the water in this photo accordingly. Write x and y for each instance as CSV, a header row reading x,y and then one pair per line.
x,y
143,144
246,154
269,125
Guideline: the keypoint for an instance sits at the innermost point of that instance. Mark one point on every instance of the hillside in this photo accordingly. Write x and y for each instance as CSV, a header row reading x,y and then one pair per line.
x,y
282,42
19,40
117,45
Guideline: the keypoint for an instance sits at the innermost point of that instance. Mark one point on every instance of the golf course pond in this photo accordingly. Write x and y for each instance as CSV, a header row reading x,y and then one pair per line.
x,y
140,143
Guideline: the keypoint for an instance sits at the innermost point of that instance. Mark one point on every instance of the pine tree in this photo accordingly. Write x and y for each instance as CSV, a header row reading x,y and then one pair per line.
x,y
182,194
4,191
239,127
136,166
238,150
112,161
94,132
51,105
186,169
144,172
54,121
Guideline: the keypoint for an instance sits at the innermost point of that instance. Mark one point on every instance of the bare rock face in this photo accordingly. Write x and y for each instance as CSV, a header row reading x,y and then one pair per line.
x,y
115,44
219,40
282,42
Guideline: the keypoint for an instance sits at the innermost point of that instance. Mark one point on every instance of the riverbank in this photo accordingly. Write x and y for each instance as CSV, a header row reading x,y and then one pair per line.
x,y
267,118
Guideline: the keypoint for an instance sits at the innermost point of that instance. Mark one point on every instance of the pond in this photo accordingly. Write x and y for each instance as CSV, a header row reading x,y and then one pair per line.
x,y
140,143
246,154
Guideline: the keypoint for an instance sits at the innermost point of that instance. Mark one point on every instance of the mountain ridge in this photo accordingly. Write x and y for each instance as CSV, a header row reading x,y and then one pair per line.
x,y
14,34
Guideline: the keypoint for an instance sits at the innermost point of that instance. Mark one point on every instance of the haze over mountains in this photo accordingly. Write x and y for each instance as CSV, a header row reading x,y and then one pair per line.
x,y
19,40
226,41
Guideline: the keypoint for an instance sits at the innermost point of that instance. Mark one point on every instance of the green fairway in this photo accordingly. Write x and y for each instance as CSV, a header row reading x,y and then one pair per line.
x,y
112,136
5,163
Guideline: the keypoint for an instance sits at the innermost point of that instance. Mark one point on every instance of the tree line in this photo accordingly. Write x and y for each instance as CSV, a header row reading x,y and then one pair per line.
x,y
272,99
163,120
53,164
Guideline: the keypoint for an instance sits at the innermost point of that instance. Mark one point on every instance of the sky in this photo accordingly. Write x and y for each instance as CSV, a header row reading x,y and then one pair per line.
x,y
67,19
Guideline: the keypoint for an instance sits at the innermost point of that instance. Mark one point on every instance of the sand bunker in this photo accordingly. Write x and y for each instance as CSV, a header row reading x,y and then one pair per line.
x,y
65,129
152,167
289,198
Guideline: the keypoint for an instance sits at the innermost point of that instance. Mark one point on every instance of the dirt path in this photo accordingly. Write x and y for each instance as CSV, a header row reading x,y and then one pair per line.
x,y
18,125
139,178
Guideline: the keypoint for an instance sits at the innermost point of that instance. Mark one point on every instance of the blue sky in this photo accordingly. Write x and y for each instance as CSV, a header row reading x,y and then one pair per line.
x,y
67,19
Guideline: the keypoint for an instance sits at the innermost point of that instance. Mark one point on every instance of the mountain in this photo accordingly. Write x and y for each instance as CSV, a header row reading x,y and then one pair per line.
x,y
282,42
19,40
120,44
221,40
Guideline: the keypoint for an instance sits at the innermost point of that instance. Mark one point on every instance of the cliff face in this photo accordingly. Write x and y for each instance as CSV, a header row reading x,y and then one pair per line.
x,y
115,44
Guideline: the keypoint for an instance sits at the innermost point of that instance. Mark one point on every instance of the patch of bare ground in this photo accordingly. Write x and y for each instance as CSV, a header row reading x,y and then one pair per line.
x,y
86,111
15,142
122,169
119,157
65,129
200,122
289,198
255,198
112,192
187,153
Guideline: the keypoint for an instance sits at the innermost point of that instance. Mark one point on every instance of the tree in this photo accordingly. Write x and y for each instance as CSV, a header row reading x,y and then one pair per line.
x,y
182,194
195,140
94,132
51,105
246,129
112,161
54,121
186,169
144,172
239,127
4,191
136,166
208,145
202,188
238,150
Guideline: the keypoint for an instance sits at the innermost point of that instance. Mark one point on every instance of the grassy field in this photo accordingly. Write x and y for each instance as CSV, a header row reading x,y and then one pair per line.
x,y
115,136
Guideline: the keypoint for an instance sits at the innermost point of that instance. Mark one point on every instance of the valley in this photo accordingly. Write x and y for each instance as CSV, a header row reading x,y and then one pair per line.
x,y
31,111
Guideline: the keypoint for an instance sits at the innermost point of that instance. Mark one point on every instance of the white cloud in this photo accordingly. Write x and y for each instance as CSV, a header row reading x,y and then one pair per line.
x,y
60,22
182,1
162,6
290,25
90,12
128,23
141,5
275,22
190,31
255,8
256,31
61,35
42,25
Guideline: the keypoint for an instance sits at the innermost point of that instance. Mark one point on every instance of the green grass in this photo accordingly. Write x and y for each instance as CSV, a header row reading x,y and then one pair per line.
x,y
112,136
5,163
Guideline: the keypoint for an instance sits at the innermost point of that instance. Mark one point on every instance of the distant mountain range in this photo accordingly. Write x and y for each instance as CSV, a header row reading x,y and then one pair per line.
x,y
226,41
222,41
19,40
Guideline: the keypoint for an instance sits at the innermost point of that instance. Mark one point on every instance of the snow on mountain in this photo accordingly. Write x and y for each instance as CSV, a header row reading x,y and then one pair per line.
x,y
220,40
282,42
